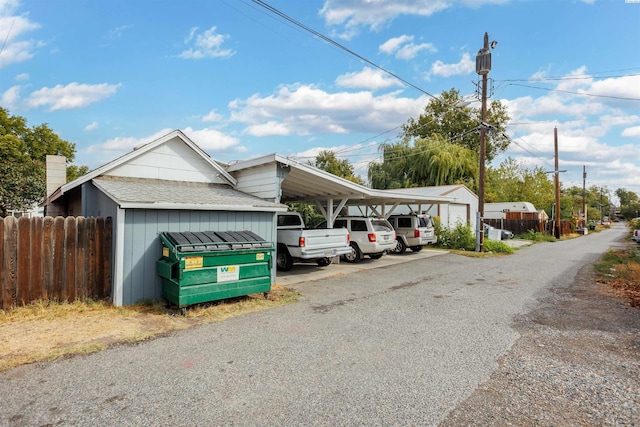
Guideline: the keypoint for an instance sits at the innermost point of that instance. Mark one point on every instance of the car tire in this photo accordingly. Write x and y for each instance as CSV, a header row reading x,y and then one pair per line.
x,y
284,262
416,248
355,255
400,247
376,256
323,262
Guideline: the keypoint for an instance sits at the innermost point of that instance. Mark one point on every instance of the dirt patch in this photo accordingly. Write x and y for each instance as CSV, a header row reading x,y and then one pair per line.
x,y
44,332
576,363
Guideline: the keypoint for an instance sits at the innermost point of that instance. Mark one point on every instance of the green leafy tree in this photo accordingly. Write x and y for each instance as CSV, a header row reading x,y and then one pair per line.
x,y
74,172
597,200
21,185
23,152
460,124
629,203
441,146
328,161
426,162
513,182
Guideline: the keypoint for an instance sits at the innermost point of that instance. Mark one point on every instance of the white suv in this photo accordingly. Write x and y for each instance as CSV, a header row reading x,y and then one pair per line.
x,y
412,231
369,236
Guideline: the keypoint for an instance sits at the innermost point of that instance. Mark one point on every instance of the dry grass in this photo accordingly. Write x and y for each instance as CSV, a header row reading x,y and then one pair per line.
x,y
619,271
44,331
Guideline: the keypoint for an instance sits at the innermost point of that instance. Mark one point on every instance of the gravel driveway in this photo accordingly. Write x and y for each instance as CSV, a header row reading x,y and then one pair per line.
x,y
450,340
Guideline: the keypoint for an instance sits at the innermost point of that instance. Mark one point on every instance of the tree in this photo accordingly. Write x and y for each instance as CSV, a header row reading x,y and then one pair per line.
x,y
512,182
74,172
23,152
328,161
426,162
441,146
629,203
460,124
21,185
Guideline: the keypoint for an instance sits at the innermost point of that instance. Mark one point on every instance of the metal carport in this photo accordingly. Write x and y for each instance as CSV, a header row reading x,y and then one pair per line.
x,y
282,179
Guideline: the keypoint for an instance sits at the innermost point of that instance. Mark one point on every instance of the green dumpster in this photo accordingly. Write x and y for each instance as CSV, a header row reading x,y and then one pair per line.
x,y
205,266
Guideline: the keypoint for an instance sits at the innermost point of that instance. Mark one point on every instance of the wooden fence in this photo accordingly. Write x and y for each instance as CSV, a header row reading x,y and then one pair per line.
x,y
517,226
62,259
522,226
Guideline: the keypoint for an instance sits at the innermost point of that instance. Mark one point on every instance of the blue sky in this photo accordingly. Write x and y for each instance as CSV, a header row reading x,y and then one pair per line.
x,y
243,82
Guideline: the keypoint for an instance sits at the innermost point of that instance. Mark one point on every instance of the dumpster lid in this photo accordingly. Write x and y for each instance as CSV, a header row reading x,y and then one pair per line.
x,y
203,241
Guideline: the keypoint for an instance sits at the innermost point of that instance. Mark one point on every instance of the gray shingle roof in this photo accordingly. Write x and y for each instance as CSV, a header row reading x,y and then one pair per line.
x,y
162,194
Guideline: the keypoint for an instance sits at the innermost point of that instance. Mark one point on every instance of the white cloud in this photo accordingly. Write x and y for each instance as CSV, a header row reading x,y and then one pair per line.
x,y
212,116
368,78
308,110
22,77
207,139
393,44
91,126
11,97
374,14
633,132
465,66
622,87
72,96
213,140
271,128
404,48
13,28
206,45
589,129
116,33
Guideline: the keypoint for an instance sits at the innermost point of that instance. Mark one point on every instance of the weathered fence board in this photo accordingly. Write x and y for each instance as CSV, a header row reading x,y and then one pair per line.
x,y
61,259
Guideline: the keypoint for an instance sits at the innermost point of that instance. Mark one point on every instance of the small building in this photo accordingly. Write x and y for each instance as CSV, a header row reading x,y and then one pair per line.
x,y
514,210
459,205
169,184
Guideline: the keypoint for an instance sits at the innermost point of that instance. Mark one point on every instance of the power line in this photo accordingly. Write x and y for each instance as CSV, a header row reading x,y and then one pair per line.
x,y
6,39
577,93
346,49
564,78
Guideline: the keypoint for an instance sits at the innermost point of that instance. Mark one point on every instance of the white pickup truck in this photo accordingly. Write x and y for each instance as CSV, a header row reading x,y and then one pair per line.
x,y
299,244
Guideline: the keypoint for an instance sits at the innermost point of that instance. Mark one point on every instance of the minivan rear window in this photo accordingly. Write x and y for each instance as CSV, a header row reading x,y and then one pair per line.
x,y
426,222
380,225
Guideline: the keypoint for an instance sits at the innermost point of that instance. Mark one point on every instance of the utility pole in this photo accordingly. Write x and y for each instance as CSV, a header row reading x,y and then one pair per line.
x,y
601,190
584,197
483,66
557,230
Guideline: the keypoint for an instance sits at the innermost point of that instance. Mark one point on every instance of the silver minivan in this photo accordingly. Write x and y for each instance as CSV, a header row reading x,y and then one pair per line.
x,y
369,236
413,231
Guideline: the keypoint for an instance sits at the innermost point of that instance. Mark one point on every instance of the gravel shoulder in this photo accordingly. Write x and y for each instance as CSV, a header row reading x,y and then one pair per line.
x,y
576,363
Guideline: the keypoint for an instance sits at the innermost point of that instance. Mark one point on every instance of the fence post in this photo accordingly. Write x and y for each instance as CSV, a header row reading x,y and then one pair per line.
x,y
23,291
10,245
69,265
36,261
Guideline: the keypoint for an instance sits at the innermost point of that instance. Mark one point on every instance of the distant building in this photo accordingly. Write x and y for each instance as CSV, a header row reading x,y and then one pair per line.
x,y
513,210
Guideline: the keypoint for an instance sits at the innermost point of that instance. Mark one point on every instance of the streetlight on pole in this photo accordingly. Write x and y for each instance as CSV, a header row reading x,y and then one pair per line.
x,y
483,66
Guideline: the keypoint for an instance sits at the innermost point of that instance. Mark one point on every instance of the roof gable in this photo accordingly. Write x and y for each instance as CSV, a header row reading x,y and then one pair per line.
x,y
172,157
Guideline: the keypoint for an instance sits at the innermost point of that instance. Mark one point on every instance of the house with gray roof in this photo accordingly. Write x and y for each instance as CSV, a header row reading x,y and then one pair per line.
x,y
169,184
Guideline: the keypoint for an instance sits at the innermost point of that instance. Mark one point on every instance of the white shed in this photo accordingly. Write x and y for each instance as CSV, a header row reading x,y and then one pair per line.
x,y
460,207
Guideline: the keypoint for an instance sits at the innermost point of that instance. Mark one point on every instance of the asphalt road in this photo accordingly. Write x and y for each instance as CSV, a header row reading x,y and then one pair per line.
x,y
405,344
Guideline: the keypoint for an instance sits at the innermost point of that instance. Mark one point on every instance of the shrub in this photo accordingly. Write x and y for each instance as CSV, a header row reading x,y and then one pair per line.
x,y
461,237
536,236
497,246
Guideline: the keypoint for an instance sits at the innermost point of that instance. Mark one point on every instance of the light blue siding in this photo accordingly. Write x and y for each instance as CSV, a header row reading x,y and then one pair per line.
x,y
142,245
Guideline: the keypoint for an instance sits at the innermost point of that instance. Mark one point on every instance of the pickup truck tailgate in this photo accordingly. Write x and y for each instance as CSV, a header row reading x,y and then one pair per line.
x,y
320,239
